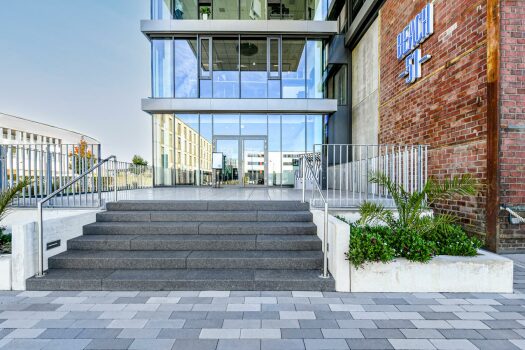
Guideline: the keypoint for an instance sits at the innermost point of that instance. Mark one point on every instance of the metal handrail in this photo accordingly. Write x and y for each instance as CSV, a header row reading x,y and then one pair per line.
x,y
306,166
40,204
513,213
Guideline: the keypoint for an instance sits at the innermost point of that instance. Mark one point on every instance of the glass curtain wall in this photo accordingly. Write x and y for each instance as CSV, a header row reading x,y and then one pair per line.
x,y
237,67
183,144
315,10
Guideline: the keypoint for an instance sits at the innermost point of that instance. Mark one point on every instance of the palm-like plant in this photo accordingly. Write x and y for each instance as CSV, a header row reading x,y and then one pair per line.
x,y
411,207
6,197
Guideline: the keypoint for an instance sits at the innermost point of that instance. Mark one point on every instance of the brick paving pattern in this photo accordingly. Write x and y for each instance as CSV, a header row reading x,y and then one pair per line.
x,y
263,320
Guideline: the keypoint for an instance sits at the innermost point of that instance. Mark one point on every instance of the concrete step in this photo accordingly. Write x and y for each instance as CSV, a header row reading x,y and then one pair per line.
x,y
158,259
189,227
204,216
219,205
195,242
182,279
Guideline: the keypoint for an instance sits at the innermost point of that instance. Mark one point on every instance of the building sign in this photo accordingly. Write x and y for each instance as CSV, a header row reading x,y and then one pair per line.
x,y
408,41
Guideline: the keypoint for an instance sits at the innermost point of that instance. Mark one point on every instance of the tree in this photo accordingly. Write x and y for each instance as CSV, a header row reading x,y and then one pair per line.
x,y
138,160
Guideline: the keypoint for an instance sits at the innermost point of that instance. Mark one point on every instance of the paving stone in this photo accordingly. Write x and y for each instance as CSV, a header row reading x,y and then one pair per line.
x,y
437,324
26,344
114,344
342,333
282,344
150,333
94,333
60,333
286,307
254,315
127,324
394,324
174,333
198,324
461,334
325,344
297,315
453,344
220,333
211,315
293,333
422,333
382,333
241,324
157,344
318,324
372,344
261,333
333,315
237,344
195,344
439,316
409,344
308,307
66,344
90,323
494,344
279,324
499,334
186,315
30,333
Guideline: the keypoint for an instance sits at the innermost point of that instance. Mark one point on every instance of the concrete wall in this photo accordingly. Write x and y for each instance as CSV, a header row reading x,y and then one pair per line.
x,y
365,87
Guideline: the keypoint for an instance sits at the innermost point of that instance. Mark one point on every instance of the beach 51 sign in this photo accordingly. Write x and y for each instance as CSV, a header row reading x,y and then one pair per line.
x,y
408,41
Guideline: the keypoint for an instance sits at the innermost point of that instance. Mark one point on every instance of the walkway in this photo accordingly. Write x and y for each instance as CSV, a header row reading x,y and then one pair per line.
x,y
263,320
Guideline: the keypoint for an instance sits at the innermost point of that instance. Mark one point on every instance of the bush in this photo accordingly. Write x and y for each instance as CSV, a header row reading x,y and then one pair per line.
x,y
5,242
368,244
452,240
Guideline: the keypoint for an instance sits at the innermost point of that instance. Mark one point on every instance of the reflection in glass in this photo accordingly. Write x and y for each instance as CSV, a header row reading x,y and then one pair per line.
x,y
340,84
314,71
293,9
317,10
253,124
185,68
253,162
225,9
293,144
225,68
254,75
230,151
187,148
206,149
185,9
163,149
226,124
274,150
162,67
314,131
274,9
253,9
293,68
160,9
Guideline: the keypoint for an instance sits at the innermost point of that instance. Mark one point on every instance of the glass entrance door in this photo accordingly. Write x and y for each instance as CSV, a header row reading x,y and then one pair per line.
x,y
230,153
254,167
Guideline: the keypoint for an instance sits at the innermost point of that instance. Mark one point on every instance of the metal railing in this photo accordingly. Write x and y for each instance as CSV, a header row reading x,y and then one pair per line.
x,y
66,189
342,172
309,173
51,166
515,218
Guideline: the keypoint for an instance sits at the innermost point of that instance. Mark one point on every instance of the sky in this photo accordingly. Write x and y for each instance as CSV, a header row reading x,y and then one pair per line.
x,y
82,65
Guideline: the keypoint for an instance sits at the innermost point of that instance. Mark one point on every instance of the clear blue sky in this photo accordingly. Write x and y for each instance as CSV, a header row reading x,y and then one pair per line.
x,y
82,65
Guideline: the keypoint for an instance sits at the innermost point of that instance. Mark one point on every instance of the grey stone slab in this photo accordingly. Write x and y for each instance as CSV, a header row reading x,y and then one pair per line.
x,y
217,323
369,344
278,307
188,315
236,344
140,228
389,301
499,334
503,324
333,315
174,333
325,344
95,333
114,344
131,300
318,324
294,333
356,324
311,307
42,307
382,333
82,315
422,333
494,344
263,315
167,323
66,344
461,334
195,344
146,333
90,323
439,316
343,333
282,344
258,228
60,333
194,242
147,344
394,324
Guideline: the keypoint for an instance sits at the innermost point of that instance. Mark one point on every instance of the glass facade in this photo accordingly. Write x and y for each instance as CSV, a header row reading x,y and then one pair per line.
x,y
314,10
258,149
237,67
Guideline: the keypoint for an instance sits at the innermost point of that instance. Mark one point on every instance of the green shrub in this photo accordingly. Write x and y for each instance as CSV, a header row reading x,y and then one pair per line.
x,y
453,240
5,242
412,246
368,244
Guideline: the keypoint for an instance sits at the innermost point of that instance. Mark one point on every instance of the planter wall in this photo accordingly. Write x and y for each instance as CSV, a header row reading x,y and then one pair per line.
x,y
485,273
5,272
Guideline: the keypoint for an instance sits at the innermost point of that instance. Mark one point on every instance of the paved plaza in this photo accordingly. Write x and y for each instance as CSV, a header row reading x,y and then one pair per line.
x,y
263,320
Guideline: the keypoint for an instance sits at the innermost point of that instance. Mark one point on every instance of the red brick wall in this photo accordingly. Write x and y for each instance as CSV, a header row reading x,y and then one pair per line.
x,y
512,119
446,108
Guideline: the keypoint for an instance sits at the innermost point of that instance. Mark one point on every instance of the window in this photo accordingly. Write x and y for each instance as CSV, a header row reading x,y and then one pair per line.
x,y
254,75
253,9
162,75
185,9
314,71
293,68
340,86
160,9
185,68
225,60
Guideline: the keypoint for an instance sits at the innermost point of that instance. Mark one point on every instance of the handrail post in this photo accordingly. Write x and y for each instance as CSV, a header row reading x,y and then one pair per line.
x,y
304,178
325,242
115,179
40,272
99,176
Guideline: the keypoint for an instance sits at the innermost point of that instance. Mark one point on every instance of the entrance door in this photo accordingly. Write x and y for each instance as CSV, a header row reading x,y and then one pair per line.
x,y
230,152
254,167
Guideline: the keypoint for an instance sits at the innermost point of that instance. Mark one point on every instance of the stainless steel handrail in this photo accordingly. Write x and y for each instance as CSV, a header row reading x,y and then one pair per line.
x,y
306,166
513,213
40,204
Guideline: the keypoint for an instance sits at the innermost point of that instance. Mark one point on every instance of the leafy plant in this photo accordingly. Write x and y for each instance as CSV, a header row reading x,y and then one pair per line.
x,y
205,10
138,160
6,197
369,244
411,207
453,240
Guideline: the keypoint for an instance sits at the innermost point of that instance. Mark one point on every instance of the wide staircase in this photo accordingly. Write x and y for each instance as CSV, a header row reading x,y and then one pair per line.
x,y
192,245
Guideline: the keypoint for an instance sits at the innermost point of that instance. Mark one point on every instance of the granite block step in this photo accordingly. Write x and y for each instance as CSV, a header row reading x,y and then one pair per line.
x,y
194,205
195,242
195,227
181,279
158,259
204,216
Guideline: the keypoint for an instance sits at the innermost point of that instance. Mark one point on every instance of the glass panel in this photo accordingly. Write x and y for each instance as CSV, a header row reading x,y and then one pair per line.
x,y
253,9
187,148
230,149
253,124
293,144
253,162
254,76
225,9
205,58
160,9
274,88
314,131
162,75
163,154
293,68
205,88
185,9
314,82
274,69
274,150
340,83
293,9
317,9
274,9
206,149
185,68
226,124
225,68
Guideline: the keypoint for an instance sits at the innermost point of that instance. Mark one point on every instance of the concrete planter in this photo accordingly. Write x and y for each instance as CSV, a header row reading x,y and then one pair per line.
x,y
5,272
485,273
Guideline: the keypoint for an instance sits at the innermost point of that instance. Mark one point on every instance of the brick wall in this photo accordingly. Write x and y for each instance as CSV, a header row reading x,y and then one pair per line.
x,y
446,108
512,119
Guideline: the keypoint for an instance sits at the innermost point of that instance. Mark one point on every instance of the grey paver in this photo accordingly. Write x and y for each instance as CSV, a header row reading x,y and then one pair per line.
x,y
236,344
494,344
372,344
325,344
281,344
412,344
157,344
114,344
194,344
